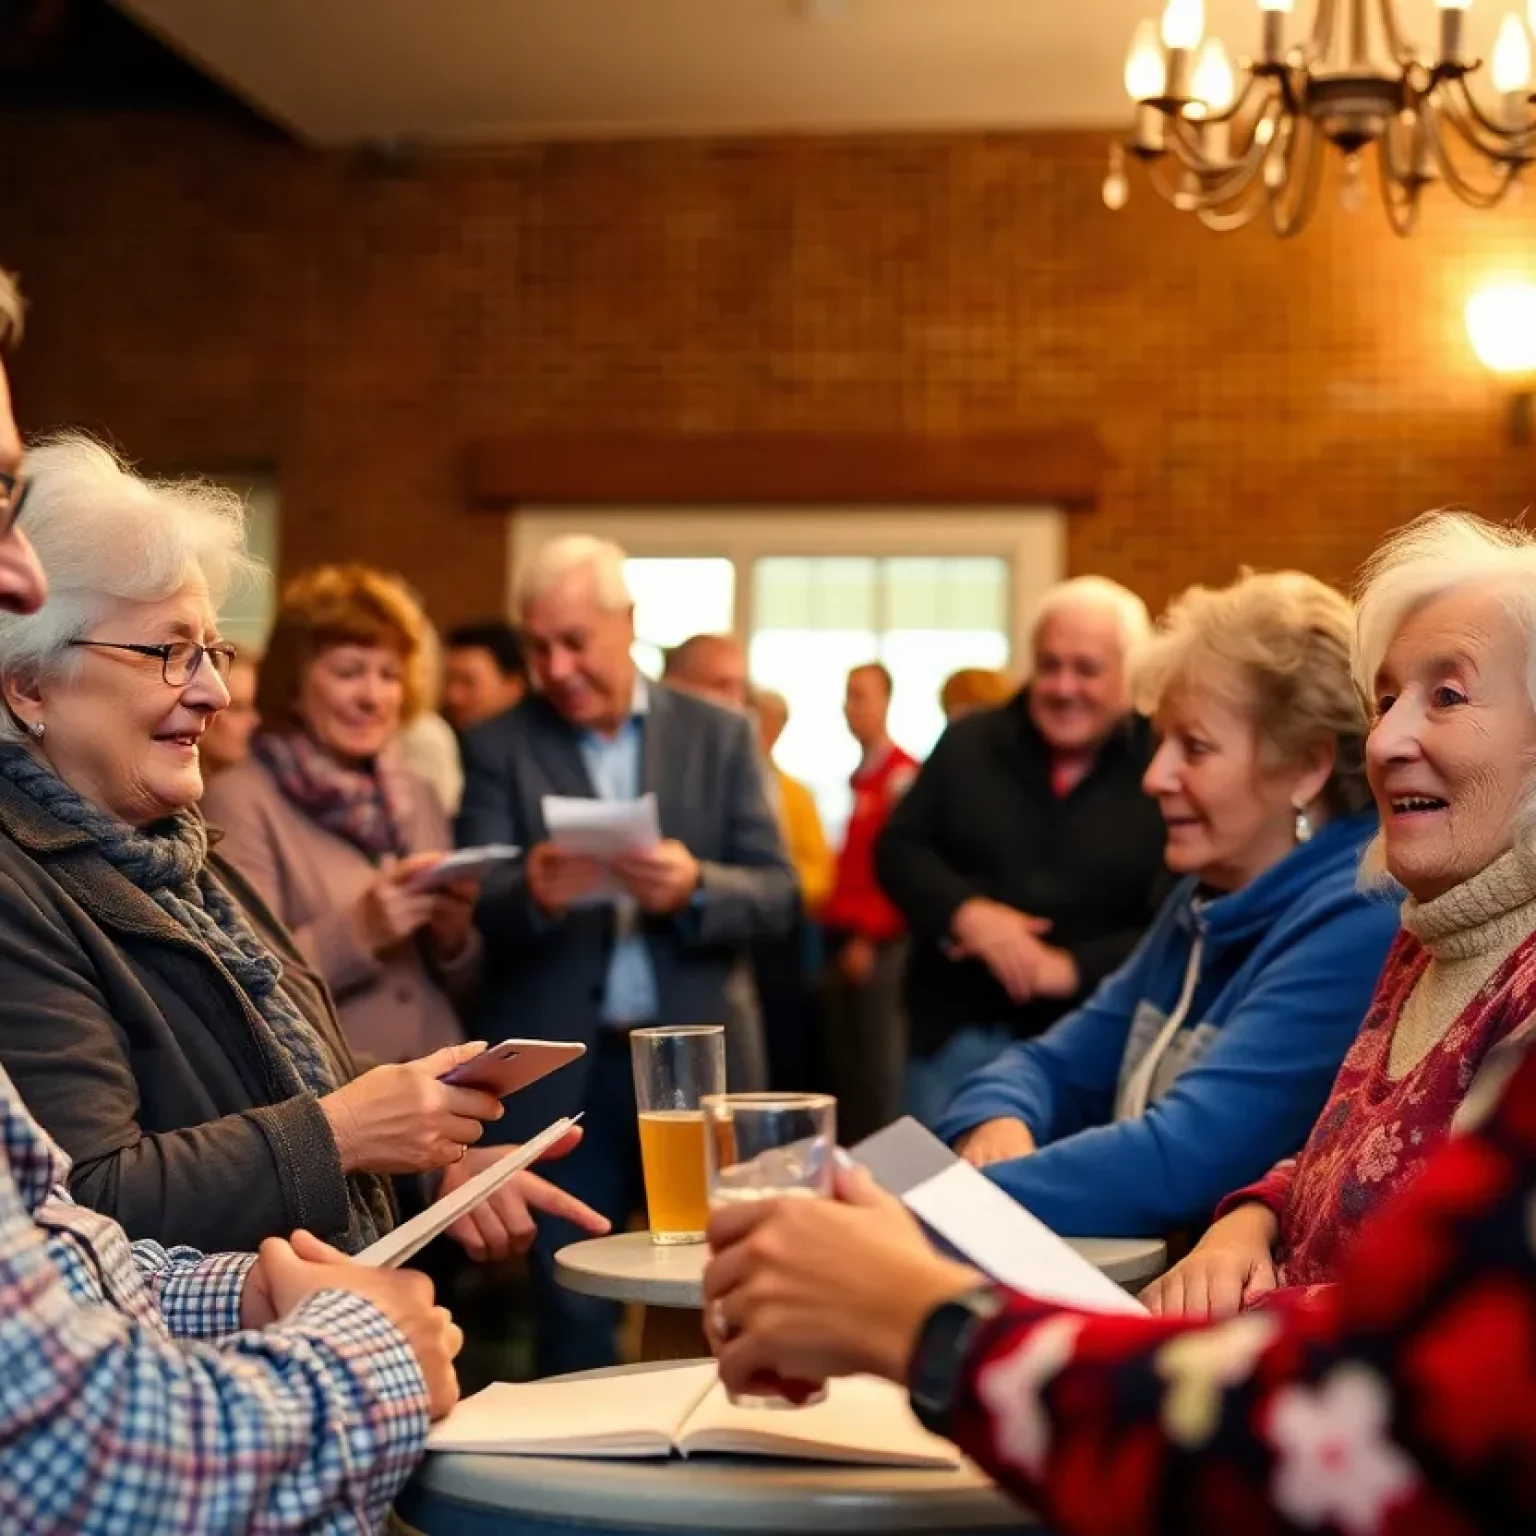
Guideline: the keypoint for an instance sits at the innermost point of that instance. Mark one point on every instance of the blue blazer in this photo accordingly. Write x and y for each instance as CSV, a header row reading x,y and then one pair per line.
x,y
545,978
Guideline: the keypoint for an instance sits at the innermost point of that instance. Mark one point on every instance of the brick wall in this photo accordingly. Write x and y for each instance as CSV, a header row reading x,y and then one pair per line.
x,y
214,298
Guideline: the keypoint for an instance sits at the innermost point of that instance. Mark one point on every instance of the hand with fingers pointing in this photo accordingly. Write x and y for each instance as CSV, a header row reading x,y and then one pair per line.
x,y
504,1224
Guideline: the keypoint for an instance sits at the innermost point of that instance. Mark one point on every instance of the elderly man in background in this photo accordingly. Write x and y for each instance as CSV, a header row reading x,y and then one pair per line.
x,y
711,667
484,674
566,966
1026,858
162,1389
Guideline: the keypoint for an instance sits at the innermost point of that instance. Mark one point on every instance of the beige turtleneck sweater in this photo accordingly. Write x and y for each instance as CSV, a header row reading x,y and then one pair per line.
x,y
1469,932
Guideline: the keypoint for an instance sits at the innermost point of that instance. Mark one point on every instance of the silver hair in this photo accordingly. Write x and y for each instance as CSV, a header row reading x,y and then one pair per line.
x,y
1098,594
11,309
555,559
1436,554
105,535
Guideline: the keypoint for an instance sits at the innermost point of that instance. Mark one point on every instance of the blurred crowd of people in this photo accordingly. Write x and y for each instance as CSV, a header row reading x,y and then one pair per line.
x,y
1232,916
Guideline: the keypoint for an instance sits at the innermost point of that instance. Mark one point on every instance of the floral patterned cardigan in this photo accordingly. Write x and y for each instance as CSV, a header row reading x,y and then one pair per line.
x,y
1399,1402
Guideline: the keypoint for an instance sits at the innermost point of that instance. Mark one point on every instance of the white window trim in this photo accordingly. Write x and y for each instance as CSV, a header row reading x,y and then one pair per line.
x,y
1032,539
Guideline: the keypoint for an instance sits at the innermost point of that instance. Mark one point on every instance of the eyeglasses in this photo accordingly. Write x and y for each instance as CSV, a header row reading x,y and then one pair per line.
x,y
179,659
13,497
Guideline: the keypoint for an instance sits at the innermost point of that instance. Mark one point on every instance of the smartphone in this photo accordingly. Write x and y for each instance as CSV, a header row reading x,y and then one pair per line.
x,y
466,864
512,1064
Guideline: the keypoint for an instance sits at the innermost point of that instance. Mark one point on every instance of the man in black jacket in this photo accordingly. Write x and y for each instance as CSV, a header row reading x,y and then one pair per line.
x,y
1026,858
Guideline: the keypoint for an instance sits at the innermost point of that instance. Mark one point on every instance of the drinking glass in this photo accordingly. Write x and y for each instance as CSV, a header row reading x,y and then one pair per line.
x,y
674,1069
770,1146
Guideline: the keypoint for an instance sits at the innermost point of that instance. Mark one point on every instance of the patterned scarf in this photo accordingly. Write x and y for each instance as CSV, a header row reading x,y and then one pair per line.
x,y
359,805
169,863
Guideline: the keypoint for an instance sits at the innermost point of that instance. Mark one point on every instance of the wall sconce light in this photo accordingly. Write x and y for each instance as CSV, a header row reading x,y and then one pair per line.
x,y
1501,322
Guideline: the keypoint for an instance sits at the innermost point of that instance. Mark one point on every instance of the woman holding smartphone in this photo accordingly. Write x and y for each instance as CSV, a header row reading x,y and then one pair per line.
x,y
155,1014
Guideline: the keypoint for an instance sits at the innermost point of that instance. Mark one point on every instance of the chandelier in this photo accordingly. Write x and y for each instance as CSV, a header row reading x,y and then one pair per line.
x,y
1230,153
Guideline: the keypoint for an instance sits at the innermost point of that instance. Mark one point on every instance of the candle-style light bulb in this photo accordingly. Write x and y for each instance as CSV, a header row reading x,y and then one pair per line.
x,y
1512,56
1214,83
1144,73
1183,24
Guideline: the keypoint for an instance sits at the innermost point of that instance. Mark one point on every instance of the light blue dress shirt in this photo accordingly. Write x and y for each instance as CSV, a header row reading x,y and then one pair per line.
x,y
613,764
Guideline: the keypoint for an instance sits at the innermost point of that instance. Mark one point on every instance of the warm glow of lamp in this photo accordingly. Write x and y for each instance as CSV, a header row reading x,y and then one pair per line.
x,y
1512,56
1453,5
1144,73
1213,82
1501,321
1183,24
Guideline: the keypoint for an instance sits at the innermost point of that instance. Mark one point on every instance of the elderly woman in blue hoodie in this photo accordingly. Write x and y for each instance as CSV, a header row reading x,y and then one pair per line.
x,y
1209,1054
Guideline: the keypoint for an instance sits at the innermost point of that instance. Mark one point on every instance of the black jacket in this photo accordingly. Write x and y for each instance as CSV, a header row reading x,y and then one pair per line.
x,y
141,1056
982,820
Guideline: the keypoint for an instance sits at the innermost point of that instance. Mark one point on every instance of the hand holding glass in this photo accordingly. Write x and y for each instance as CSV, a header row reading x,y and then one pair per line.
x,y
771,1146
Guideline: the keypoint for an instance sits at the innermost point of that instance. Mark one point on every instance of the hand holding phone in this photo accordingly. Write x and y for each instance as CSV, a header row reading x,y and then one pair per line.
x,y
513,1064
466,864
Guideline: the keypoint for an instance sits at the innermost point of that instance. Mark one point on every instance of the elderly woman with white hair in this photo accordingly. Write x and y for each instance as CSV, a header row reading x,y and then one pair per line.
x,y
158,1020
1447,655
1209,1053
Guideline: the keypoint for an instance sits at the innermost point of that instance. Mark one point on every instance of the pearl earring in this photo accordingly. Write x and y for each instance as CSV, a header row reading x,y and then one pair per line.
x,y
37,728
1303,826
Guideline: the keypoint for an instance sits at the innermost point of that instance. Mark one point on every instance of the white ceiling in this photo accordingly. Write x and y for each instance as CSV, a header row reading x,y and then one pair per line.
x,y
497,71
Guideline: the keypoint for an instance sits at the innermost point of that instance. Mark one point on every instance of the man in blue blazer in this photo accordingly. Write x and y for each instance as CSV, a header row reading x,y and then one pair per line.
x,y
559,969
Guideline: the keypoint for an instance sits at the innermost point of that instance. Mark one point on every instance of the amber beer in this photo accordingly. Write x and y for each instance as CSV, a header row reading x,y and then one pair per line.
x,y
676,1189
674,1069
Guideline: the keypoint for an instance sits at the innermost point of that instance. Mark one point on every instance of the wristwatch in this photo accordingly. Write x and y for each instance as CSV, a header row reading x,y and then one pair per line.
x,y
943,1344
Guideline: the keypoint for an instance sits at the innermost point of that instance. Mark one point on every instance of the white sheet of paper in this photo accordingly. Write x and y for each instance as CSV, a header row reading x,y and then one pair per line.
x,y
394,1248
991,1229
602,830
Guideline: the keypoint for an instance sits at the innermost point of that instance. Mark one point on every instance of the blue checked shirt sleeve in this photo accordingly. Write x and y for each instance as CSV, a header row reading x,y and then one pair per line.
x,y
107,1426
198,1293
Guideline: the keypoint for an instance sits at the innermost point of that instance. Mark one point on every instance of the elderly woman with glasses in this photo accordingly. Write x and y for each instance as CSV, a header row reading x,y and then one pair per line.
x,y
158,1020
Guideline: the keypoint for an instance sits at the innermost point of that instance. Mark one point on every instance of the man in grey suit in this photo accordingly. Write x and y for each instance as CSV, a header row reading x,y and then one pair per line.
x,y
562,969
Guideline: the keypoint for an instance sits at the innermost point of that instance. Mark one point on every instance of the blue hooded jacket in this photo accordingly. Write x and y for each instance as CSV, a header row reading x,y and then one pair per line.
x,y
1281,973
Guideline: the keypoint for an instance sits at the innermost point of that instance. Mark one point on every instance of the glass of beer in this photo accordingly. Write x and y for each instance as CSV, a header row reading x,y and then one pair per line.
x,y
674,1070
771,1146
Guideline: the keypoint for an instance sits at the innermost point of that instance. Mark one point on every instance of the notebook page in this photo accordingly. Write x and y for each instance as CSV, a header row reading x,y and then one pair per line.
x,y
863,1422
632,1415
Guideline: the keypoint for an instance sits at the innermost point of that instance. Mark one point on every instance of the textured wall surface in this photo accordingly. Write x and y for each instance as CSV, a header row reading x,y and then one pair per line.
x,y
212,298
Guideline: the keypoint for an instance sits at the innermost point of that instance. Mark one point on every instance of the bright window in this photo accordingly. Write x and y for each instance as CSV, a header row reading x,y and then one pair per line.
x,y
677,598
815,618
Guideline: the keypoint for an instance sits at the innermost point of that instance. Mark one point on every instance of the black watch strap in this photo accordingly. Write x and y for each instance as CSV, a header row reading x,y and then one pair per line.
x,y
943,1344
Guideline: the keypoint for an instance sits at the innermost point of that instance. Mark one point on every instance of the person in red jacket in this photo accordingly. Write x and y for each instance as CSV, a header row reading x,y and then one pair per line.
x,y
864,1041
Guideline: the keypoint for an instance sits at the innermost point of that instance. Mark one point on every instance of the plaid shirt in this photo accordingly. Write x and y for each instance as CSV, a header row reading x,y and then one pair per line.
x,y
109,1422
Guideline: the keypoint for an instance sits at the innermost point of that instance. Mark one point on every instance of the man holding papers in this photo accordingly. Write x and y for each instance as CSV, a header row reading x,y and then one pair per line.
x,y
624,913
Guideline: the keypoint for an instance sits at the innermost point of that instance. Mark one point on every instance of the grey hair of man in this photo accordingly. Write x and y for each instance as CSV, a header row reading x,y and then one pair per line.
x,y
105,535
1098,594
556,559
1437,554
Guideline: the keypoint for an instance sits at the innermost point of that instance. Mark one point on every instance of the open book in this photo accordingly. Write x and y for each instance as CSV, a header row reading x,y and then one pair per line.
x,y
684,1409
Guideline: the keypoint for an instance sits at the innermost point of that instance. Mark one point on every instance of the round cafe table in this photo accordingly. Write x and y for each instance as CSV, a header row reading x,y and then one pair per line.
x,y
473,1495
669,1279
630,1267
